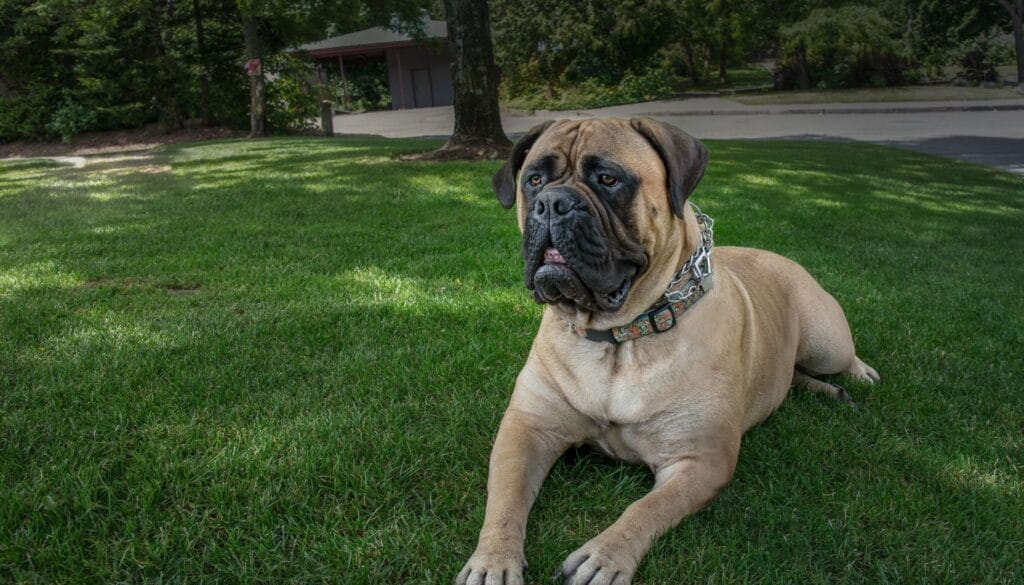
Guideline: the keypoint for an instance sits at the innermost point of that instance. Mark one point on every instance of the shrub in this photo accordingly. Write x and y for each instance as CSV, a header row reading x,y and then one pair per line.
x,y
293,98
978,57
367,87
70,119
25,115
853,46
651,84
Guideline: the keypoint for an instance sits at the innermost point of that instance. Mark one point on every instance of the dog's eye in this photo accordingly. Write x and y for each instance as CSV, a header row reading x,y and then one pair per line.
x,y
608,180
535,180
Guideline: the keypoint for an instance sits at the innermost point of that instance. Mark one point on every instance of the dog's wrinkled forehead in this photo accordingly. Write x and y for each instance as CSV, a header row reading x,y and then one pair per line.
x,y
565,146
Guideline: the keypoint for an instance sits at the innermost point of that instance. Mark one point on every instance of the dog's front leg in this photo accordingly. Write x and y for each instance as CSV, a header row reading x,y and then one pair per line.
x,y
524,451
680,489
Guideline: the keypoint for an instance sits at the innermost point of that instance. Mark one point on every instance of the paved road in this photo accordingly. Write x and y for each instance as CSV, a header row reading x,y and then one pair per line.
x,y
994,137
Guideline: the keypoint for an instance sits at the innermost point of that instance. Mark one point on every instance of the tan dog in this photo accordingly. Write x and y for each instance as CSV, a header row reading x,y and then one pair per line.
x,y
607,235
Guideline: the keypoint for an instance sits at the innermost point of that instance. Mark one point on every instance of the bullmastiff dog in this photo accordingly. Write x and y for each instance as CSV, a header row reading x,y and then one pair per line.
x,y
655,347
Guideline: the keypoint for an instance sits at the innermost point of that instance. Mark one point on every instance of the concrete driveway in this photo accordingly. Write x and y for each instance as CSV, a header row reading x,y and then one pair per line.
x,y
983,132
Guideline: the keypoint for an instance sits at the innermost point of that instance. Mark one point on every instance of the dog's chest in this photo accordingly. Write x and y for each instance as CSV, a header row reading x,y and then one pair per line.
x,y
608,393
624,384
637,404
621,442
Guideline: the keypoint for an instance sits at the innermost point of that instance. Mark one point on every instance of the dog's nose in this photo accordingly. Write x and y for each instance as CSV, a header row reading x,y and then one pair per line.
x,y
553,202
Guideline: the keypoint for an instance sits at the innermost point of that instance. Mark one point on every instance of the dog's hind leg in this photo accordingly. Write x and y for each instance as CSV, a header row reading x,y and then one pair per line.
x,y
863,372
815,385
826,344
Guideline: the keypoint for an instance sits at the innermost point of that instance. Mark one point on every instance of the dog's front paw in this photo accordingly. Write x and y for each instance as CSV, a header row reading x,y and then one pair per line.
x,y
596,563
492,568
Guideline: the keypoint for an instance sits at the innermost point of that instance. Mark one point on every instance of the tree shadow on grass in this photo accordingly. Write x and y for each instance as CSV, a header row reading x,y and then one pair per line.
x,y
185,412
329,394
1006,153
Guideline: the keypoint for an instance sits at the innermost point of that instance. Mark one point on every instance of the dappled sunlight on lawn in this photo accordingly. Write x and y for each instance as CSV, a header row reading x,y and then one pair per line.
x,y
41,275
377,287
306,345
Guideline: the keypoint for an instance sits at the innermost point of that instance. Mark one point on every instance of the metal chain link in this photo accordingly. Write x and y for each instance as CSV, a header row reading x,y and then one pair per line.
x,y
698,266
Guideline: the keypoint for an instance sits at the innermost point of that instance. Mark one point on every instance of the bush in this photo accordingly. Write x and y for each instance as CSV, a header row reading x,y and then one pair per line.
x,y
70,119
126,115
853,46
293,98
976,69
26,115
978,57
367,87
652,84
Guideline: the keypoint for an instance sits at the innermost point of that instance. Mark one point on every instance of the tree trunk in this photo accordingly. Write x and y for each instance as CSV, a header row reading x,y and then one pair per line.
x,y
723,63
1018,41
803,80
724,16
204,70
691,63
257,93
478,132
164,69
1016,10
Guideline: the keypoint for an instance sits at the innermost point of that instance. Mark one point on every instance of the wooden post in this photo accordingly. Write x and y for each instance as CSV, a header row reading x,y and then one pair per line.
x,y
344,82
327,117
327,110
401,81
257,84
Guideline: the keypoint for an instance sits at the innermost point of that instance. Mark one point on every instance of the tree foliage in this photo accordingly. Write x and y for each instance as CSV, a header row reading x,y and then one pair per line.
x,y
573,41
852,46
125,62
68,66
563,43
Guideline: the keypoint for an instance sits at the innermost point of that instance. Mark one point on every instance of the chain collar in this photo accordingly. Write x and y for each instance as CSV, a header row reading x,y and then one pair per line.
x,y
698,266
687,287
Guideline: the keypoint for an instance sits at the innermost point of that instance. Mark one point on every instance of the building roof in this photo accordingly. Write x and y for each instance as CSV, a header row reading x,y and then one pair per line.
x,y
377,37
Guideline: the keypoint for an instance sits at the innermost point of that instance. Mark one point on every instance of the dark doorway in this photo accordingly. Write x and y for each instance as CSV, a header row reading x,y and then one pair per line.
x,y
422,92
367,79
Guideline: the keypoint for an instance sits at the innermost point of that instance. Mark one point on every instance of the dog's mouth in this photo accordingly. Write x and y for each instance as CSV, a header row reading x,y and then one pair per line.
x,y
555,282
617,297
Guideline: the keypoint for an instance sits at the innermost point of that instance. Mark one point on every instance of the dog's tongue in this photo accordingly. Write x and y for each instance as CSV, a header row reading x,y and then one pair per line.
x,y
553,256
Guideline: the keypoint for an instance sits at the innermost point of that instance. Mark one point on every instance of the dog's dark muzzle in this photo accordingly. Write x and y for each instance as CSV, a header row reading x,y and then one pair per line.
x,y
568,255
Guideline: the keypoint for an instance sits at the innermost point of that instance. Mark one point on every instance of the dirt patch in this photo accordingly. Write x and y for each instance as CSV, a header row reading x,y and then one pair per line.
x,y
180,288
131,282
89,143
112,283
473,149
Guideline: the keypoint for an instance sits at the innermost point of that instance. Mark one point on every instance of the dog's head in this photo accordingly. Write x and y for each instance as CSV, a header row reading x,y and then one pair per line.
x,y
601,206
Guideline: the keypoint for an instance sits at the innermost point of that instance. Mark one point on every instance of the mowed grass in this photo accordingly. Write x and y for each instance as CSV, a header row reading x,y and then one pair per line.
x,y
284,361
882,94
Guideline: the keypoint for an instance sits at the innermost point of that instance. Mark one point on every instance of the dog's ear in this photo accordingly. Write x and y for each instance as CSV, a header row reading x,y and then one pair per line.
x,y
684,156
504,181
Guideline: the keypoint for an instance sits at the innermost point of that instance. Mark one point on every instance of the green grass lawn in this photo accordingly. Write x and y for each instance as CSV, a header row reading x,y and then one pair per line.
x,y
752,75
285,361
915,93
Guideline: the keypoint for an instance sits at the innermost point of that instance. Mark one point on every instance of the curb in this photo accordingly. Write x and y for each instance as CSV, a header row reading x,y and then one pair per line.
x,y
854,110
